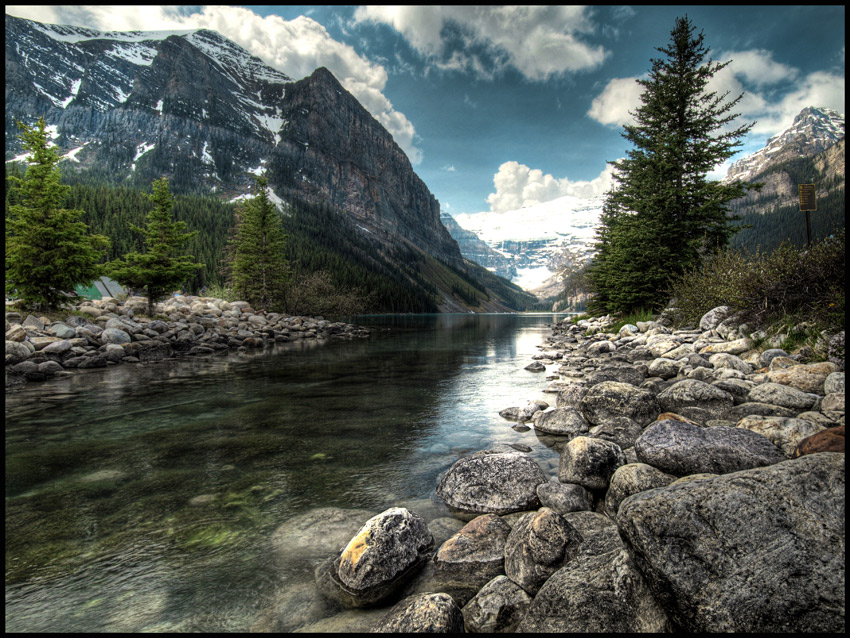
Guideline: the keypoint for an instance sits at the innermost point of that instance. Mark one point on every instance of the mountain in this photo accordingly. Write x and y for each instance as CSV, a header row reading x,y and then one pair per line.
x,y
813,130
810,151
538,239
129,107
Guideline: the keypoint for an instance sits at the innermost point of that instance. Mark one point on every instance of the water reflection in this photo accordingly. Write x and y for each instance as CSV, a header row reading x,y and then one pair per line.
x,y
143,496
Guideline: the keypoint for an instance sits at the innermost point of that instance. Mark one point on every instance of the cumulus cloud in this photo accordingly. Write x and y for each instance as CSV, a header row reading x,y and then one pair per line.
x,y
296,47
773,92
612,107
518,186
539,41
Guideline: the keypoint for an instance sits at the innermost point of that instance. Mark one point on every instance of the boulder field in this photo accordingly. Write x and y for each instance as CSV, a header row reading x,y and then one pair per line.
x,y
103,332
700,489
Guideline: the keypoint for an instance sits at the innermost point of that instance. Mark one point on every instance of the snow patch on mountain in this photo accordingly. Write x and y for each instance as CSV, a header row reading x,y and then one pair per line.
x,y
813,130
535,237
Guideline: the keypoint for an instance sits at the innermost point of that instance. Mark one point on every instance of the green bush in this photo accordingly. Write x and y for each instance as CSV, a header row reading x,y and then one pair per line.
x,y
789,284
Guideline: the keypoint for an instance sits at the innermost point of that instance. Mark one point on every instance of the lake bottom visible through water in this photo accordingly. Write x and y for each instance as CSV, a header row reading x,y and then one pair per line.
x,y
199,494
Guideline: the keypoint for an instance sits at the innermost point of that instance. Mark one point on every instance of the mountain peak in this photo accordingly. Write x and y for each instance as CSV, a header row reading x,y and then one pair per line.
x,y
814,129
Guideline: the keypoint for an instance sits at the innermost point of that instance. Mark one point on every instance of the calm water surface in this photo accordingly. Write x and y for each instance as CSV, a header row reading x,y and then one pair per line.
x,y
143,497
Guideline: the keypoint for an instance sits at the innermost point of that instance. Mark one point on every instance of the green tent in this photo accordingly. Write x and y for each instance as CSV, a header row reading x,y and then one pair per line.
x,y
100,288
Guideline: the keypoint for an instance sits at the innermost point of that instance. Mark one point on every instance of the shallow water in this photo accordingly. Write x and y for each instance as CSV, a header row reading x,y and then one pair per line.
x,y
143,497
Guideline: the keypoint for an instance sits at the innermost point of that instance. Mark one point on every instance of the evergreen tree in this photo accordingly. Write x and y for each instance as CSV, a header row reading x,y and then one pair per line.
x,y
163,266
48,249
663,214
260,271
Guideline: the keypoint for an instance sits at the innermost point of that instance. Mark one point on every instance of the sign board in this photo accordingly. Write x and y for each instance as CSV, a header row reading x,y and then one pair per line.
x,y
808,201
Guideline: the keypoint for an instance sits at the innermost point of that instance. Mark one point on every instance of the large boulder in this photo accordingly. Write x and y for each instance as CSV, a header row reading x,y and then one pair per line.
x,y
783,395
590,462
695,399
713,317
612,398
380,558
806,378
561,421
631,479
491,482
425,613
538,545
681,448
476,553
496,608
564,497
784,433
757,551
595,593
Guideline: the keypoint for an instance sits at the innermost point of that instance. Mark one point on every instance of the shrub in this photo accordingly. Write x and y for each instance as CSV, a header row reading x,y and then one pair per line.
x,y
792,284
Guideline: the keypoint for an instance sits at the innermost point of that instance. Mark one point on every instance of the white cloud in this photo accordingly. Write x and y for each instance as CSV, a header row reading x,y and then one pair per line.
x,y
519,186
773,93
618,98
539,41
296,47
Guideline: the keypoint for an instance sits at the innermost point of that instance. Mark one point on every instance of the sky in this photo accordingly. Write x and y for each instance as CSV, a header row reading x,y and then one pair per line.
x,y
500,107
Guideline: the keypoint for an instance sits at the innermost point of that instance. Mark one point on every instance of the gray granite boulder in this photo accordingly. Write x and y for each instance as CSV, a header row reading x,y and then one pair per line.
x,y
681,448
713,317
491,482
538,545
564,497
631,479
783,395
476,553
590,462
562,422
695,399
596,593
757,551
619,429
433,613
378,560
784,433
834,383
612,398
496,608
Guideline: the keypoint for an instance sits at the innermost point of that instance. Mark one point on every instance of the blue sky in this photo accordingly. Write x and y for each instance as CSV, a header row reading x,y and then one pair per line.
x,y
503,107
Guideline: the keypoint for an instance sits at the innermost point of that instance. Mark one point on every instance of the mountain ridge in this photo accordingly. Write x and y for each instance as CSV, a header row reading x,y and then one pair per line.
x,y
130,107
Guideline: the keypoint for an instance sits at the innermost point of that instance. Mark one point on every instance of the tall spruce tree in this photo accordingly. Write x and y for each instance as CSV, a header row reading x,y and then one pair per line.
x,y
260,271
163,266
49,250
663,213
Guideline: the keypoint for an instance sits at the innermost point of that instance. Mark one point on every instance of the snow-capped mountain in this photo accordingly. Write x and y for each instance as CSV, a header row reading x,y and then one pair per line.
x,y
811,150
537,239
200,110
813,130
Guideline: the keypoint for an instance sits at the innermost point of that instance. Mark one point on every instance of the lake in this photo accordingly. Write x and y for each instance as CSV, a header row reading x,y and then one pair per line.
x,y
142,497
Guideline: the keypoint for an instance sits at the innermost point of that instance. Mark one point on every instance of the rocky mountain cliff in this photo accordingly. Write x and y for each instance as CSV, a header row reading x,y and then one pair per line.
x,y
130,107
817,134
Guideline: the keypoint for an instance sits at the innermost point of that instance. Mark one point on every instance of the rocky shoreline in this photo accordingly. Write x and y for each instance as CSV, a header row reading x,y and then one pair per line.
x,y
106,332
700,488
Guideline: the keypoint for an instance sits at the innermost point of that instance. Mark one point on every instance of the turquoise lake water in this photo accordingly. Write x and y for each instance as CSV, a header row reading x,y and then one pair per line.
x,y
142,497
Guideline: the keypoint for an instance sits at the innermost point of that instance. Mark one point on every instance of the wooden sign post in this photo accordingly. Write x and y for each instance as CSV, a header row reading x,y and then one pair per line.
x,y
808,202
